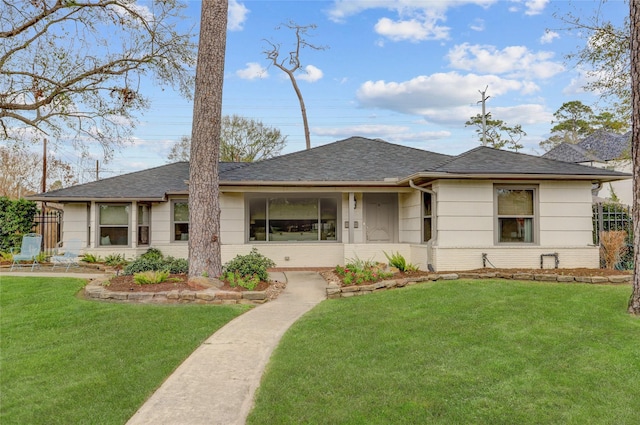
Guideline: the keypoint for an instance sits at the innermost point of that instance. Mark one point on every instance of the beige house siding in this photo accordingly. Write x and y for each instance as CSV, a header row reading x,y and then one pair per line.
x,y
75,224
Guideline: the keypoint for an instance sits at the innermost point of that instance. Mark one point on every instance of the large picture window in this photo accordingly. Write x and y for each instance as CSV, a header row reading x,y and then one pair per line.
x,y
516,214
113,223
293,219
180,220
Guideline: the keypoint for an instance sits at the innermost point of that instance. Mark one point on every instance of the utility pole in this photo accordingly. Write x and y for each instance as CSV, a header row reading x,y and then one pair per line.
x,y
484,115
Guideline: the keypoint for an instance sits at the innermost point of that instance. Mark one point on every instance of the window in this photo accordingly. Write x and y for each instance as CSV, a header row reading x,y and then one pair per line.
x,y
181,220
516,214
426,217
144,210
113,224
293,219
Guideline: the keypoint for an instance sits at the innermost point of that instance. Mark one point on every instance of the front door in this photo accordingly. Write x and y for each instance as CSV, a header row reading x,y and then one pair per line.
x,y
380,217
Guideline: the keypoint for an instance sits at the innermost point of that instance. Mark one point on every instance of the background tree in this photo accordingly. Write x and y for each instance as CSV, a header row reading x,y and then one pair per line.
x,y
242,140
20,176
204,190
71,70
634,300
498,134
290,64
606,56
574,121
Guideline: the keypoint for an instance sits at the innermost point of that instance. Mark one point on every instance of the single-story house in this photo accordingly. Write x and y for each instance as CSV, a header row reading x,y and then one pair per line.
x,y
602,149
356,198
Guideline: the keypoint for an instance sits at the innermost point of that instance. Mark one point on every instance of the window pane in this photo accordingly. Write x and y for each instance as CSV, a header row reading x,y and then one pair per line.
x,y
258,219
426,225
515,229
114,236
181,232
114,215
426,200
328,219
143,214
515,202
181,211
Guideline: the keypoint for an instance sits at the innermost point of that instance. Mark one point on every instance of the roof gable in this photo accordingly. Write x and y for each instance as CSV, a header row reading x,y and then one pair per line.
x,y
601,146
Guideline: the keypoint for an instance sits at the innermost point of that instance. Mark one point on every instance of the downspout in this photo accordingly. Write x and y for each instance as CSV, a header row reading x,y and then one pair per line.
x,y
434,216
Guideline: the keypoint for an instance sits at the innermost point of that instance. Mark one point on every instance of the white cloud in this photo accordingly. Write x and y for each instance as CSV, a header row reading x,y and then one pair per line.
x,y
515,61
394,133
442,97
535,7
237,15
311,74
412,20
478,25
548,37
252,71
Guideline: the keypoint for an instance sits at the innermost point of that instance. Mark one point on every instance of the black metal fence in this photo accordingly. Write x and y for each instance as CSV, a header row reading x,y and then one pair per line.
x,y
609,216
48,224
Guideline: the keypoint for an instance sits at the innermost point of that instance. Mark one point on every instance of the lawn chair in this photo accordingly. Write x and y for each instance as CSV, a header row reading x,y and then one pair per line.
x,y
70,256
29,250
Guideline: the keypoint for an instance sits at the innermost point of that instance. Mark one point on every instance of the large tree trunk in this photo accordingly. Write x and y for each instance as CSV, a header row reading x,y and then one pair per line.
x,y
204,201
634,301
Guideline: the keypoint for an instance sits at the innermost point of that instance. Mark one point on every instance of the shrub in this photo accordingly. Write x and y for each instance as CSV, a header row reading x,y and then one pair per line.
x,y
251,264
154,260
236,279
91,258
397,260
613,246
151,277
358,272
115,260
16,219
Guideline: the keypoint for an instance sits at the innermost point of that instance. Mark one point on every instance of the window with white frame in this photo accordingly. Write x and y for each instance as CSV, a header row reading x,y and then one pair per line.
x,y
113,224
516,214
293,219
180,219
144,213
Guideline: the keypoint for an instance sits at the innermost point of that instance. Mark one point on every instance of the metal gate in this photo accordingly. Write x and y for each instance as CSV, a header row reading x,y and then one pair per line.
x,y
48,224
609,216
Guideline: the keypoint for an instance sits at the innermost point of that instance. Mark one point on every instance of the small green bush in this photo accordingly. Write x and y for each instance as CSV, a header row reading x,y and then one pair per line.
x,y
91,258
397,260
153,259
236,279
251,264
357,273
151,277
115,260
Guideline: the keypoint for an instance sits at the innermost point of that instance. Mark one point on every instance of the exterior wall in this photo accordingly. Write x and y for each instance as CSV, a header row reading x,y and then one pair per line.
x,y
463,213
621,189
466,227
74,225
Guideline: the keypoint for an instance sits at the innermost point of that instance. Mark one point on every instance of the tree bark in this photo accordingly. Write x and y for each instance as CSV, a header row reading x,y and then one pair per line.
x,y
204,194
634,5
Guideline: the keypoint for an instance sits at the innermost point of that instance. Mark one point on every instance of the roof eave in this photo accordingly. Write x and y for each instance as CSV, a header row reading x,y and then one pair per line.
x,y
515,176
305,183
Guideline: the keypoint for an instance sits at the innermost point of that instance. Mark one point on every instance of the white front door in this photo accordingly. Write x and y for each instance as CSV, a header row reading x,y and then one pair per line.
x,y
380,217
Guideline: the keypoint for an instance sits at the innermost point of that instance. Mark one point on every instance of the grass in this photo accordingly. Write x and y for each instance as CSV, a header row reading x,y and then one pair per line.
x,y
65,360
464,352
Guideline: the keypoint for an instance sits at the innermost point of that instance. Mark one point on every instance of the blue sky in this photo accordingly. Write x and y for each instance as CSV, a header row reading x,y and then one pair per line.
x,y
409,72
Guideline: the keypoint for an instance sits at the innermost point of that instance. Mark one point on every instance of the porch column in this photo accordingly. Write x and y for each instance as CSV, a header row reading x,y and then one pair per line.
x,y
350,215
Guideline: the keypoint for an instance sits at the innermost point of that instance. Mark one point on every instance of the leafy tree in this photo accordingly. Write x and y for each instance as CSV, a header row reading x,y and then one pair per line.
x,y
19,174
634,300
575,120
294,64
497,133
71,70
204,188
16,219
606,48
242,140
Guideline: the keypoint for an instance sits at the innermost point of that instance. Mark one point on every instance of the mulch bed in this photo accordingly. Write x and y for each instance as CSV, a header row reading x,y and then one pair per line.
x,y
125,283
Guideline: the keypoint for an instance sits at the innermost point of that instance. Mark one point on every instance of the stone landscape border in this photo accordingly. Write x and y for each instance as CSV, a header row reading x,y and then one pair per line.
x,y
335,291
95,290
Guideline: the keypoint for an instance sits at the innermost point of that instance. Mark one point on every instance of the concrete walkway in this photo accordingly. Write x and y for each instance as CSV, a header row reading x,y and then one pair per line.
x,y
217,382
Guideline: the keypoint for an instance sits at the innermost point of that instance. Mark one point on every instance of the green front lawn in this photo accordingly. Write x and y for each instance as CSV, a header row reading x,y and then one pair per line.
x,y
461,352
65,360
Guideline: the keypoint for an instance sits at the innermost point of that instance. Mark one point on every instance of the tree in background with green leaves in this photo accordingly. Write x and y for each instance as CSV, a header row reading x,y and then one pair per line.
x,y
241,140
497,133
574,121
